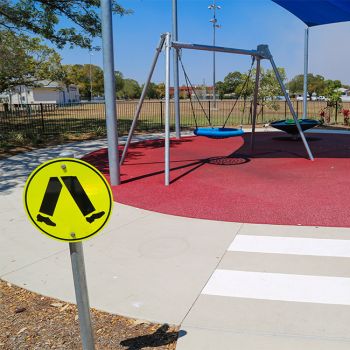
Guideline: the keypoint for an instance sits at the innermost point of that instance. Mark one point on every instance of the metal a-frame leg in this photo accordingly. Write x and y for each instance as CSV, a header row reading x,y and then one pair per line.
x,y
266,54
255,103
142,98
167,112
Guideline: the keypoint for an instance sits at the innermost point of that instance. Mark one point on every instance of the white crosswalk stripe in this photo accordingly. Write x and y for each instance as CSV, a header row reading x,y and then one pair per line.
x,y
272,285
291,245
288,289
277,286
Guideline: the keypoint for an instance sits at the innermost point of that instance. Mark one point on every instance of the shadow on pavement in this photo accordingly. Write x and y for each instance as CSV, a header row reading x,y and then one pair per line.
x,y
159,338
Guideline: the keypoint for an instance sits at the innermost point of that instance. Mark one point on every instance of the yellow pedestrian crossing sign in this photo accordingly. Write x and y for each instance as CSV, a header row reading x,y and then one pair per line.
x,y
68,199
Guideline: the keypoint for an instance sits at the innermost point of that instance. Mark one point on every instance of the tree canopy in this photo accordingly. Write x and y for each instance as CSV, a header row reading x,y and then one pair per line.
x,y
237,83
73,22
316,83
26,61
270,88
130,90
232,81
85,76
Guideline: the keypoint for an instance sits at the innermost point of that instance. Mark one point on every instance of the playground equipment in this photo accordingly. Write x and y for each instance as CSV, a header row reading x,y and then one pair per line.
x,y
213,132
290,127
218,133
262,52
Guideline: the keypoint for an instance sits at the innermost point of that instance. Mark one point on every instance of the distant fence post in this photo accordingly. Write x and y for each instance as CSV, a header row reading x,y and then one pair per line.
x,y
209,114
6,109
161,113
297,108
285,109
250,112
42,118
336,112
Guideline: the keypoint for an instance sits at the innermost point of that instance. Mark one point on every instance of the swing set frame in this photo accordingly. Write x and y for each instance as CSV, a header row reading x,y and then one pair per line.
x,y
262,52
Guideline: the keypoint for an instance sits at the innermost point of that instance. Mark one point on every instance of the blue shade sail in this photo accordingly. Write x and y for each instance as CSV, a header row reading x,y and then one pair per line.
x,y
318,12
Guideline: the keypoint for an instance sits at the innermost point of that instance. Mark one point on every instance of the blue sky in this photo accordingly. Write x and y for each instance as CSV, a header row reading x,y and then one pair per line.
x,y
245,24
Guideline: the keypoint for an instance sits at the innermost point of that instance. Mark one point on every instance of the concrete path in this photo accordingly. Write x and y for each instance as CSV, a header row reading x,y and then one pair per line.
x,y
144,265
229,285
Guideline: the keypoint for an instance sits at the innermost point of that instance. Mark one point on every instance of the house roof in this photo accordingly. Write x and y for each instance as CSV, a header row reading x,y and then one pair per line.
x,y
341,89
49,83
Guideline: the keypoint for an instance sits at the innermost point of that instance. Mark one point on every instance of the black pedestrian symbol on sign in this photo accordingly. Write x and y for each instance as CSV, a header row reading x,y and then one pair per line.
x,y
76,190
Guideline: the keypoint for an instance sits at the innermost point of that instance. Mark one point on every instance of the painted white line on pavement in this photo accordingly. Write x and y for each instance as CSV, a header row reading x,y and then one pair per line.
x,y
291,245
277,286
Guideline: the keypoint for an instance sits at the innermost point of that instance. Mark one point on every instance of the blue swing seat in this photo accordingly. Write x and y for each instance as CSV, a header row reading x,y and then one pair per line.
x,y
218,133
290,127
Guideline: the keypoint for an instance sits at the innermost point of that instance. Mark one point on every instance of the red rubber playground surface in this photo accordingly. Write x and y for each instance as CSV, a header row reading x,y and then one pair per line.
x,y
222,180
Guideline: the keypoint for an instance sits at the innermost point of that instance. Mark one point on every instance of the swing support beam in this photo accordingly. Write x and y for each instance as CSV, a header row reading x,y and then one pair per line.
x,y
178,45
262,52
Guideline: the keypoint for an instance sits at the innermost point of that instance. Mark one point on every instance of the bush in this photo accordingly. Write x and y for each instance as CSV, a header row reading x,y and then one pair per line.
x,y
346,115
17,138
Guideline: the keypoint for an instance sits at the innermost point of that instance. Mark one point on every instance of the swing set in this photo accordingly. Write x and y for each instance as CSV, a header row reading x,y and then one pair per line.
x,y
215,132
262,52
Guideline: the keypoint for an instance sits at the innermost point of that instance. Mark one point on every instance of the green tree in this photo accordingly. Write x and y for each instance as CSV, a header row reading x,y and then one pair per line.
x,y
73,22
269,87
332,93
315,83
161,90
232,81
119,81
26,61
131,89
245,88
296,85
79,74
152,91
220,88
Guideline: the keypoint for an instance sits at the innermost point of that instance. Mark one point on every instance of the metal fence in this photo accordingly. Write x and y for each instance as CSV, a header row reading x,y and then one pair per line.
x,y
51,119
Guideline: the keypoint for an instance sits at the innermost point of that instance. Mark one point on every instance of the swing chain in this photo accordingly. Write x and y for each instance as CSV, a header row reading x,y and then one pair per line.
x,y
188,82
240,93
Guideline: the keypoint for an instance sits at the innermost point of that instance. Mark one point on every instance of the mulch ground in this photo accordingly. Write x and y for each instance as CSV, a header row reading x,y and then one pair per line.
x,y
32,321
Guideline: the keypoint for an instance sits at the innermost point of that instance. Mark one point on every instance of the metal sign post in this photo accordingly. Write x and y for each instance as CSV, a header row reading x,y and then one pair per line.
x,y
81,294
80,287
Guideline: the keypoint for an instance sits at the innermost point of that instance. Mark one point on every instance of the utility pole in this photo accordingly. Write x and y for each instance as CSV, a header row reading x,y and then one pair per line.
x,y
215,24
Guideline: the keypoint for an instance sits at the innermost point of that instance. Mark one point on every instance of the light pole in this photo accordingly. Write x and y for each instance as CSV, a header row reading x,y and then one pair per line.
x,y
176,72
215,24
306,68
91,54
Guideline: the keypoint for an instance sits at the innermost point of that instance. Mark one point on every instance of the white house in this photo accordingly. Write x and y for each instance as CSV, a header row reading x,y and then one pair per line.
x,y
345,94
43,92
